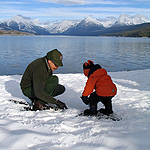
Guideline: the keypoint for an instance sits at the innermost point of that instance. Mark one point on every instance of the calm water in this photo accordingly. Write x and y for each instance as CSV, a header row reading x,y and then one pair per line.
x,y
112,53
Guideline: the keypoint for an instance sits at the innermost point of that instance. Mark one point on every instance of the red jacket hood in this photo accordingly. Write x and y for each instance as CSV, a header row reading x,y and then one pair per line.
x,y
99,72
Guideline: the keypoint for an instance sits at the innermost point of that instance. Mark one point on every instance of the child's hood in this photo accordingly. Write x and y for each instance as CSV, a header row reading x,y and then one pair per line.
x,y
99,72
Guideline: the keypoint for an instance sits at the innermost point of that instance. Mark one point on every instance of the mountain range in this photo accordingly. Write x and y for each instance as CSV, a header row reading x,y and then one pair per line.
x,y
88,26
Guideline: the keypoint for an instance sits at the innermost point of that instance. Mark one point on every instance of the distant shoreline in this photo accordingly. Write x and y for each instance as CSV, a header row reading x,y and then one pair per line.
x,y
19,33
14,32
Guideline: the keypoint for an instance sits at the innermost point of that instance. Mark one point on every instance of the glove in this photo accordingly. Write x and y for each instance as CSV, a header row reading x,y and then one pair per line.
x,y
60,104
85,99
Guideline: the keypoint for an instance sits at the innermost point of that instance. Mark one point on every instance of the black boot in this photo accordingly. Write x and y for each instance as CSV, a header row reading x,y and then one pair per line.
x,y
88,112
105,112
38,106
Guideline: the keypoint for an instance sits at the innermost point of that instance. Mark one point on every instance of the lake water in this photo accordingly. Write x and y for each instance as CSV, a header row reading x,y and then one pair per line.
x,y
112,53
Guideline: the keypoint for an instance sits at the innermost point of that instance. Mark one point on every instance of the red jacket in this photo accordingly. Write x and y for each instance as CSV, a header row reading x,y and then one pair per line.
x,y
101,82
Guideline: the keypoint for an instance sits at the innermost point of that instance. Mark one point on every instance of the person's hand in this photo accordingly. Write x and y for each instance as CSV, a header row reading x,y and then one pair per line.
x,y
60,104
85,99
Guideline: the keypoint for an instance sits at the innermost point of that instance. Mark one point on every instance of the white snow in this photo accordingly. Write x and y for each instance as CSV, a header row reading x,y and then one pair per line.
x,y
54,130
89,20
60,27
125,19
19,19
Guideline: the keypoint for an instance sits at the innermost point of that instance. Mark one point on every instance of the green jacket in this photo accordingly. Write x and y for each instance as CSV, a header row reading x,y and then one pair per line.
x,y
35,76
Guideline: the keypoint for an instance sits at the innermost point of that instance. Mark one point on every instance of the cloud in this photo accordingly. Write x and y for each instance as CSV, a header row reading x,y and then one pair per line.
x,y
142,1
79,13
105,2
53,12
83,2
65,2
8,2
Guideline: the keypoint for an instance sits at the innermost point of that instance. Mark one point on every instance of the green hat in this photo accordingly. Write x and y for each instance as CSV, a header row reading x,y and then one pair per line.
x,y
55,56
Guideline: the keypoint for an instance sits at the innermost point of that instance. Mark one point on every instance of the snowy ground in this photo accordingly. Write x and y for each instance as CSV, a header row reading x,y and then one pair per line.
x,y
54,130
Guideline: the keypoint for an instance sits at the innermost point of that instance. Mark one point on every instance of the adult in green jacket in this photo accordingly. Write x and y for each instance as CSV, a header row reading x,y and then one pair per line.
x,y
39,84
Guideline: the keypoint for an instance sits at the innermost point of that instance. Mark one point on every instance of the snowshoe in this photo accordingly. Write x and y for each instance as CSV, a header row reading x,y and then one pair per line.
x,y
113,116
32,107
99,115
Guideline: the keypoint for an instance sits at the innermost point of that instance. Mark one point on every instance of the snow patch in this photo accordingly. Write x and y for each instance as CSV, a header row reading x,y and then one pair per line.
x,y
56,130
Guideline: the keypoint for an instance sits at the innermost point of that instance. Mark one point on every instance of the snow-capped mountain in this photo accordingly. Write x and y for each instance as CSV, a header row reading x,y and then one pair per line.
x,y
89,21
108,22
43,24
125,19
19,19
60,27
87,26
21,23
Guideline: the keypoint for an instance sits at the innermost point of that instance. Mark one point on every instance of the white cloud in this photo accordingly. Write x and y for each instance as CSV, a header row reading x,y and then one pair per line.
x,y
65,2
69,12
83,2
72,13
13,2
142,1
105,2
80,13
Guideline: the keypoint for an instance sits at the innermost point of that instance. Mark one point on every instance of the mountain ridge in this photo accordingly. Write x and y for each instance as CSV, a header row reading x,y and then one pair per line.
x,y
88,26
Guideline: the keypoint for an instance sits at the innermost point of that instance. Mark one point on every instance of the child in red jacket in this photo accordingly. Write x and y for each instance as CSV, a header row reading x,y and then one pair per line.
x,y
103,87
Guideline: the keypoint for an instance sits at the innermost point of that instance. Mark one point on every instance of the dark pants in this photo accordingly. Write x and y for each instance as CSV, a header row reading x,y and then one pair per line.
x,y
94,99
52,88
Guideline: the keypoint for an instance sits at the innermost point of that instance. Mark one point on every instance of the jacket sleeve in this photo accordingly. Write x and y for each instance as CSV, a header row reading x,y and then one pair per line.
x,y
90,85
39,81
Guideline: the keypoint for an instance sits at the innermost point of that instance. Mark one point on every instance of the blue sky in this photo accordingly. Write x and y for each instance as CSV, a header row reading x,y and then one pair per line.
x,y
52,10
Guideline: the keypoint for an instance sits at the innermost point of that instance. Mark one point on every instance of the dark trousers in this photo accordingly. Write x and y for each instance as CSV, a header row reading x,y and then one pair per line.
x,y
94,99
52,88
